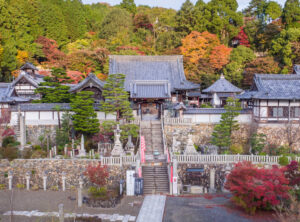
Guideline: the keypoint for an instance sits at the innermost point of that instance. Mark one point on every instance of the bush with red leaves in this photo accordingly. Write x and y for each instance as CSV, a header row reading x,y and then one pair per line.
x,y
293,173
97,174
255,188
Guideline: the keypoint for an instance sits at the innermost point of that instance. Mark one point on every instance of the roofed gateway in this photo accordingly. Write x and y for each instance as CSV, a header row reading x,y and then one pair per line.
x,y
152,80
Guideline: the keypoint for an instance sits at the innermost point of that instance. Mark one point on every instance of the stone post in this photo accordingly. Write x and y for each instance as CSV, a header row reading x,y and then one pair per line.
x,y
212,176
63,181
22,131
10,177
80,192
82,149
50,154
61,212
175,179
27,176
66,149
45,181
55,150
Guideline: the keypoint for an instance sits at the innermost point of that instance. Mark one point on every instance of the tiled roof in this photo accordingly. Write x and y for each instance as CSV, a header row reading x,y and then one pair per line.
x,y
276,86
90,78
222,86
210,111
45,106
148,68
28,65
34,81
150,89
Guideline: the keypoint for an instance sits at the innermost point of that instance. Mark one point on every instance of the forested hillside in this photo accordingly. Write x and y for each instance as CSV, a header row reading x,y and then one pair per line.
x,y
213,37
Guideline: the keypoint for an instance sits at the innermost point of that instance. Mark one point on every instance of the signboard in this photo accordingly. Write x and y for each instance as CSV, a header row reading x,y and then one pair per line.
x,y
130,182
139,186
143,148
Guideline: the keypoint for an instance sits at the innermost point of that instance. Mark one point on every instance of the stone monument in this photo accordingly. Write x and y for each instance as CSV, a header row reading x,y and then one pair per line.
x,y
190,148
118,149
82,150
129,146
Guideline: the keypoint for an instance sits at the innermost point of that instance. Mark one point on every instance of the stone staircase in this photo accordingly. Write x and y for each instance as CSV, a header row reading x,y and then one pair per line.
x,y
155,179
155,171
152,132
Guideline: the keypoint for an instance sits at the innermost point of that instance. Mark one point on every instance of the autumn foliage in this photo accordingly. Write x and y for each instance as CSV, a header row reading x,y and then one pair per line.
x,y
293,173
219,56
255,188
97,174
243,38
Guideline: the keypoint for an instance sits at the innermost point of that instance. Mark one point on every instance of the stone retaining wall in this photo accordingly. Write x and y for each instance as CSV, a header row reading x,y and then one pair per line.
x,y
54,168
277,134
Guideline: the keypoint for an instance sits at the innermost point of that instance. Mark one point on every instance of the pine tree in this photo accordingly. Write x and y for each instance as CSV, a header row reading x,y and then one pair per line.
x,y
116,98
221,135
186,18
84,118
291,13
52,90
129,5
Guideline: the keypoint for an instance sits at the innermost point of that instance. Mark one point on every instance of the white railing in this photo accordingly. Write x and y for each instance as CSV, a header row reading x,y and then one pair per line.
x,y
218,159
177,121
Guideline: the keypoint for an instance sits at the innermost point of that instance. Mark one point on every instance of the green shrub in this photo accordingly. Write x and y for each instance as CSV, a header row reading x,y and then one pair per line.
x,y
9,152
9,141
36,147
206,105
54,188
20,186
2,186
282,150
236,149
35,187
97,192
37,154
283,160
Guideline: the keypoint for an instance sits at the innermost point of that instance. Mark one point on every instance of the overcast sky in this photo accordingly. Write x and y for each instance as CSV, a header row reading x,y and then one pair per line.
x,y
176,4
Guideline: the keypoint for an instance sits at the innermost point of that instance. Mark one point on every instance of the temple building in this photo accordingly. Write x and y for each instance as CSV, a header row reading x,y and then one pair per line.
x,y
215,95
152,81
274,97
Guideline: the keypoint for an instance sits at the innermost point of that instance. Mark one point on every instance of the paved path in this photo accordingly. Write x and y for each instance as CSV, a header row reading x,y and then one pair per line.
x,y
208,208
152,209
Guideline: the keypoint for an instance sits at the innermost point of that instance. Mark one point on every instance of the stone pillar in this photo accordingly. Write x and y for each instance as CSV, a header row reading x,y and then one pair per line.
x,y
50,154
10,177
22,131
27,176
80,192
175,178
45,181
212,176
66,149
61,212
63,181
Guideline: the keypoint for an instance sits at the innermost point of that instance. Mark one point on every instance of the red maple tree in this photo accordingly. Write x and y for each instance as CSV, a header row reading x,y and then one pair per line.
x,y
255,188
242,38
97,174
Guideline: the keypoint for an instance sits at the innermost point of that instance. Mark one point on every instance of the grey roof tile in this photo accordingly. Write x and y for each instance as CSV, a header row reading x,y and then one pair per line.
x,y
91,77
148,68
150,89
276,86
45,106
222,86
210,111
28,65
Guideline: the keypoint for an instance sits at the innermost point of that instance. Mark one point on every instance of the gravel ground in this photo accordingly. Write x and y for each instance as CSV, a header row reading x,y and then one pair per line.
x,y
208,208
48,201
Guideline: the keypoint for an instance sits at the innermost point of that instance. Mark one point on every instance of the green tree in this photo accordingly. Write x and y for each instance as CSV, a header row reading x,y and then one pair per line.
x,y
257,142
129,5
84,118
52,90
239,57
185,18
116,98
222,133
291,13
282,45
225,21
273,10
63,133
118,20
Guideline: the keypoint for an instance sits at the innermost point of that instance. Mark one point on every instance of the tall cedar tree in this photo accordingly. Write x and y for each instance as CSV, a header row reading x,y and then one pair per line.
x,y
129,5
116,98
221,135
52,90
84,118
